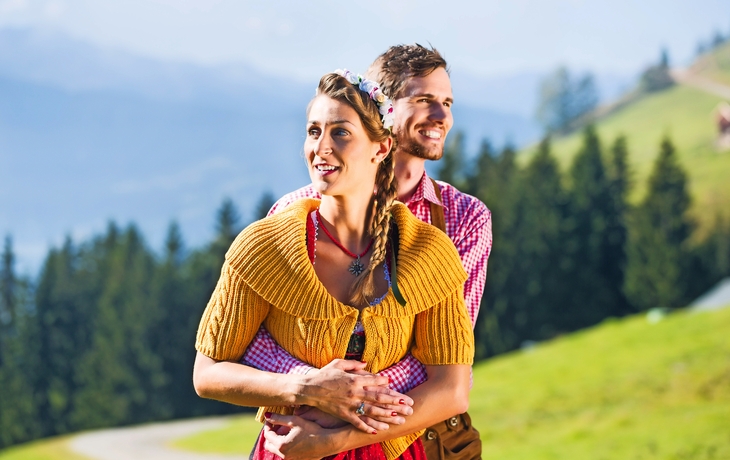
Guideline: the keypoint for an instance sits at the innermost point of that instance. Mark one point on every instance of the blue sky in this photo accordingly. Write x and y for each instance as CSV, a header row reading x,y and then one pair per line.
x,y
303,39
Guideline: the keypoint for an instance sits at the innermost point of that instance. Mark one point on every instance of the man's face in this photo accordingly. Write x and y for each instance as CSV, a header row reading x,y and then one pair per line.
x,y
423,115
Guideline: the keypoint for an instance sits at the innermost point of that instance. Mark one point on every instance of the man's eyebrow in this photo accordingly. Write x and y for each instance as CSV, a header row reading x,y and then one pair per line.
x,y
430,96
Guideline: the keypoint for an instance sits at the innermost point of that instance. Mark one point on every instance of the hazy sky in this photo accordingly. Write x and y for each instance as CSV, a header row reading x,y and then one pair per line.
x,y
305,38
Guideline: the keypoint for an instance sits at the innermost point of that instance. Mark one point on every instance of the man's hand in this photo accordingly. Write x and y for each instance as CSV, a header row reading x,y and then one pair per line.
x,y
319,417
292,437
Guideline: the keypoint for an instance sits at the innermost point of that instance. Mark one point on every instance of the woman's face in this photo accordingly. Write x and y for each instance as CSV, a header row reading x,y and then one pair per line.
x,y
342,159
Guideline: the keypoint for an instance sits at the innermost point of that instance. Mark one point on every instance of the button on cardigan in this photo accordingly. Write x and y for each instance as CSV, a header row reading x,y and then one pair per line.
x,y
267,279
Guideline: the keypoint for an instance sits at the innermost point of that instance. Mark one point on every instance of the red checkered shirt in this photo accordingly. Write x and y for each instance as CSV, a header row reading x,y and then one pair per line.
x,y
468,224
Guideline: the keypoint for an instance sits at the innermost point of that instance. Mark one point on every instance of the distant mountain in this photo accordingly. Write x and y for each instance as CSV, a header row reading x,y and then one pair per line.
x,y
70,161
56,60
88,135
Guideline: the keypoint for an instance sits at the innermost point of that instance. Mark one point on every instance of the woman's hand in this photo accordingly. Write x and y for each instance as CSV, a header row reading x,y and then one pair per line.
x,y
341,386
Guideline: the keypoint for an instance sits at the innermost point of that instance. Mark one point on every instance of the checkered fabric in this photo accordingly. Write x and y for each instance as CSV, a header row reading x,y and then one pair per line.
x,y
468,224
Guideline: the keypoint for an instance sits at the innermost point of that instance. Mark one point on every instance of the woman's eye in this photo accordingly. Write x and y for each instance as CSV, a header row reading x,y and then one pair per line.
x,y
340,132
313,131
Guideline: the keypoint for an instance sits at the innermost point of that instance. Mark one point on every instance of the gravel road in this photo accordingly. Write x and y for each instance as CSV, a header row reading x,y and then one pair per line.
x,y
147,442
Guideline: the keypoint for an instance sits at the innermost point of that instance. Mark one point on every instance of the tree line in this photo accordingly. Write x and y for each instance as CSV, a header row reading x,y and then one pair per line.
x,y
570,250
104,335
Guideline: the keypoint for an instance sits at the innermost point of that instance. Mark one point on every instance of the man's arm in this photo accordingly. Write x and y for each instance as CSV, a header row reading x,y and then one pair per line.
x,y
265,354
474,248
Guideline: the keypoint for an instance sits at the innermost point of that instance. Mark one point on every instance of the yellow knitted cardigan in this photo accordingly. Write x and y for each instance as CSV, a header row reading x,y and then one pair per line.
x,y
267,278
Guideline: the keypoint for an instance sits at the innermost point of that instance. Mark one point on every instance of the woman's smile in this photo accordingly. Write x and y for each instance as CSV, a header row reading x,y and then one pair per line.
x,y
325,169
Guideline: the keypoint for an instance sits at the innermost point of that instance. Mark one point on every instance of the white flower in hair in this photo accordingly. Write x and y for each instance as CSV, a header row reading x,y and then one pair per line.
x,y
385,105
369,87
349,76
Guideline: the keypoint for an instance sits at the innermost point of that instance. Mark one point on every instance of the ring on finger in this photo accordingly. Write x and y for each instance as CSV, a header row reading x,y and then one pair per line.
x,y
360,409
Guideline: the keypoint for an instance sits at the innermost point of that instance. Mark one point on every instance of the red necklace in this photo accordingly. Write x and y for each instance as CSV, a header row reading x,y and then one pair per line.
x,y
356,267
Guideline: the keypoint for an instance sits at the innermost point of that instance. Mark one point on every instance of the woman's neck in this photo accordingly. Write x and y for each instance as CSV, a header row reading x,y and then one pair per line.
x,y
348,219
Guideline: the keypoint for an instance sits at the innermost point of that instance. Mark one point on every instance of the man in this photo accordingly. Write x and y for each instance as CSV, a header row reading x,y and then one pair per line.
x,y
417,80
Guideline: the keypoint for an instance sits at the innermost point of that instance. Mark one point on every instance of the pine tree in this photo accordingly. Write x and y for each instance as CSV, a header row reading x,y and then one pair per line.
x,y
119,373
656,268
541,238
266,201
173,333
617,225
17,421
7,326
709,261
62,320
588,243
565,100
498,186
228,224
7,291
453,162
227,227
478,178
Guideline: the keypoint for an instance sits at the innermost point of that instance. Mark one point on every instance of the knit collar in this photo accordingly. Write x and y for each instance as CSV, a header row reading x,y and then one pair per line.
x,y
271,257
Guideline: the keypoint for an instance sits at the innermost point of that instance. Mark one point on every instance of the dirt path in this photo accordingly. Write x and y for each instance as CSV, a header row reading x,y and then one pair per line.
x,y
147,442
687,78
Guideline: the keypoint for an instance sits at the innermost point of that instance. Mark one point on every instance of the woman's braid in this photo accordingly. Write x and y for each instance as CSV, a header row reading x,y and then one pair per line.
x,y
386,187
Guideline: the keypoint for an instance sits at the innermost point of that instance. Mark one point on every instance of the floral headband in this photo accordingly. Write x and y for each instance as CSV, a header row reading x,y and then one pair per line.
x,y
385,105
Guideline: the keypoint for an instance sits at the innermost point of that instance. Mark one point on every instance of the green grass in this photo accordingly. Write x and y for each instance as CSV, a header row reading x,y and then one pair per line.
x,y
237,437
625,389
45,449
686,115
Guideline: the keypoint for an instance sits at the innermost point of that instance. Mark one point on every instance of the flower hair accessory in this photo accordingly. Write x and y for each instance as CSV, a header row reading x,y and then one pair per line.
x,y
385,105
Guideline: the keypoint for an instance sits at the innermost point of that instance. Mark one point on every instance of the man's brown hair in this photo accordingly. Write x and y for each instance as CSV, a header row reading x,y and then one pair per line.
x,y
393,68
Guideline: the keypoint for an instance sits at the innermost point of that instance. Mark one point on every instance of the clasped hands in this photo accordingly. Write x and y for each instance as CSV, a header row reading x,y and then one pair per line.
x,y
332,396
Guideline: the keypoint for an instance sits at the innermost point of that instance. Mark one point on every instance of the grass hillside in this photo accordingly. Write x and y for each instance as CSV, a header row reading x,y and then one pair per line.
x,y
626,389
687,115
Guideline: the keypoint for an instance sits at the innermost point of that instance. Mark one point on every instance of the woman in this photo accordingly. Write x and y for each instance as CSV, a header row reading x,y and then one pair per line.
x,y
319,273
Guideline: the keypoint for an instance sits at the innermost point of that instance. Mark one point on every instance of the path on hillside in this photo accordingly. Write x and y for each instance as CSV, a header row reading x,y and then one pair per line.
x,y
147,442
705,84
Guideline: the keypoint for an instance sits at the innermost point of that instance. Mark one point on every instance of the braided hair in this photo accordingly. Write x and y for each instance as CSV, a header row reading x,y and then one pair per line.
x,y
386,187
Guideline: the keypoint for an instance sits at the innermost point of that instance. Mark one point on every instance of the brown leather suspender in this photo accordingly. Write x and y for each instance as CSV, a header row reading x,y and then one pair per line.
x,y
437,211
